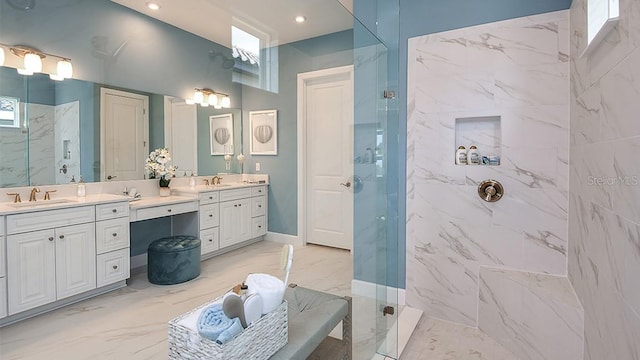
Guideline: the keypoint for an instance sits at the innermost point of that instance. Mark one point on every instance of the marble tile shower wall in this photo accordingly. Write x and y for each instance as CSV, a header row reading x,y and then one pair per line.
x,y
516,69
604,201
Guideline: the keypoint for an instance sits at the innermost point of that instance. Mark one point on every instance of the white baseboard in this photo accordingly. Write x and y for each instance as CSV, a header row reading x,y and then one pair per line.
x,y
294,240
370,290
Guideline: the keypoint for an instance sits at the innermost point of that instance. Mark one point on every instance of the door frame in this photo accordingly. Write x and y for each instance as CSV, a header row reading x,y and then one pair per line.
x,y
103,121
303,78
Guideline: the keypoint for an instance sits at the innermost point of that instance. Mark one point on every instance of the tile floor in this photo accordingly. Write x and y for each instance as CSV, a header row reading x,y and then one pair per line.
x,y
131,323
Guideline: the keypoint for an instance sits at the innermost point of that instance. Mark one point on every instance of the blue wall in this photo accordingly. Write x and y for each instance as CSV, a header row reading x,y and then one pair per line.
x,y
313,54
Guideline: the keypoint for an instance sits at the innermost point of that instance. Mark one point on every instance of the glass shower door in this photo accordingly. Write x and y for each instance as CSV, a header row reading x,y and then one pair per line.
x,y
375,220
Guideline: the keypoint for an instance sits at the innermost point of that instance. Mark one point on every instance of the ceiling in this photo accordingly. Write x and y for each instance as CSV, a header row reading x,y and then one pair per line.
x,y
212,19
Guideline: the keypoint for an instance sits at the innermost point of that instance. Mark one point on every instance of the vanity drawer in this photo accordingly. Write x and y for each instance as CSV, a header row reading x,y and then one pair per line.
x,y
112,235
209,215
257,206
209,240
112,211
235,194
258,190
49,219
165,210
208,197
112,267
259,227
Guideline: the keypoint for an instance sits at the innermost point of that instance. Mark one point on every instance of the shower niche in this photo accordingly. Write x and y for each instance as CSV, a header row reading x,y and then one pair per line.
x,y
483,132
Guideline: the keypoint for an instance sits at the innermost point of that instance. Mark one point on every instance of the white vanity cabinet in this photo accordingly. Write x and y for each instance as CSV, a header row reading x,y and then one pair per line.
x,y
209,221
3,271
258,211
50,256
242,214
112,243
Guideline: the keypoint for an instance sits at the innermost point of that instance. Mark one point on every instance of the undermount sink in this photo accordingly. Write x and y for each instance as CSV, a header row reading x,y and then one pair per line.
x,y
40,203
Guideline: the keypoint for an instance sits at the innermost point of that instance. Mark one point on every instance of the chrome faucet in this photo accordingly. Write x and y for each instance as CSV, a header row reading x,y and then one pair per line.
x,y
32,197
213,180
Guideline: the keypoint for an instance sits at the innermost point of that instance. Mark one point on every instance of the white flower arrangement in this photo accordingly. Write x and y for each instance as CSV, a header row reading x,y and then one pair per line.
x,y
157,166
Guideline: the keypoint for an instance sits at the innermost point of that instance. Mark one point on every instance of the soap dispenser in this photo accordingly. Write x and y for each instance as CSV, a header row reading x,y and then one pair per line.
x,y
81,190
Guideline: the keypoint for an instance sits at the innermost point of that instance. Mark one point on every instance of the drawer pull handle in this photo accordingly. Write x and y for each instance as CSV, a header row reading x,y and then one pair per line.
x,y
210,215
210,240
50,238
115,267
114,234
169,210
61,236
259,206
114,211
259,227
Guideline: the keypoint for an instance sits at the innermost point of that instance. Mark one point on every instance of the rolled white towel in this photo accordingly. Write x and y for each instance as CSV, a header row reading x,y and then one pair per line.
x,y
270,288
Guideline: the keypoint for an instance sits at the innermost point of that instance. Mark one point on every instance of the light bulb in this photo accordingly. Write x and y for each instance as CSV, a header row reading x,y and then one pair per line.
x,y
213,100
189,101
65,69
32,62
198,96
226,102
24,72
1,56
56,77
217,106
204,104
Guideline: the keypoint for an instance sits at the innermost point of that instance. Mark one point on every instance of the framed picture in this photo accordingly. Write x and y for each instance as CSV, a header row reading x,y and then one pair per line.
x,y
264,132
221,134
9,112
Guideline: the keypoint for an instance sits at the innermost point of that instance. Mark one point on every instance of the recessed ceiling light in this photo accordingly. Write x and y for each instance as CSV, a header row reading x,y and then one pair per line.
x,y
153,6
300,19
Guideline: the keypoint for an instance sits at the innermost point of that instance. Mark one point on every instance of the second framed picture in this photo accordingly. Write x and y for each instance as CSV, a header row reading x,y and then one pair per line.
x,y
221,134
264,132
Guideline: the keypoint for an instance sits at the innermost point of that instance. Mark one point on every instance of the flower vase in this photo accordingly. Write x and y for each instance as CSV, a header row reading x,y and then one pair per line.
x,y
165,191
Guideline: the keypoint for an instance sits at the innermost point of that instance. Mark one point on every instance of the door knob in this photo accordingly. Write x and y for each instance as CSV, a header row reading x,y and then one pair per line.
x,y
111,177
490,190
347,185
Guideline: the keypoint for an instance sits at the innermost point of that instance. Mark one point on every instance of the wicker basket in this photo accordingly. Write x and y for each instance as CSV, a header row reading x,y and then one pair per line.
x,y
260,340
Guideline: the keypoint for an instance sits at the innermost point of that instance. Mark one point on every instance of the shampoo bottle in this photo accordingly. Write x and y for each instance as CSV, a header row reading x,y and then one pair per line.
x,y
461,156
473,156
81,191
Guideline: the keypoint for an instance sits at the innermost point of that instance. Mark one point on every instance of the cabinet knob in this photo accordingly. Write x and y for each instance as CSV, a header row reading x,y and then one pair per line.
x,y
259,206
114,234
259,226
50,238
210,240
210,197
169,210
210,215
239,204
114,211
236,205
115,267
61,236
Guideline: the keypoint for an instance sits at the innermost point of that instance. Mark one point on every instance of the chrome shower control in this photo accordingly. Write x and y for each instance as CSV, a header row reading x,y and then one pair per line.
x,y
490,190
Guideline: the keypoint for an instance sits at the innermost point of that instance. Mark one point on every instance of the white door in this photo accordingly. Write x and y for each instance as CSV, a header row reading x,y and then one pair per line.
x,y
325,105
124,129
181,135
31,275
75,260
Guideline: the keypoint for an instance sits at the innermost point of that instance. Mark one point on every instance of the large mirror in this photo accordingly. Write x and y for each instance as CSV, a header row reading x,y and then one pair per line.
x,y
56,136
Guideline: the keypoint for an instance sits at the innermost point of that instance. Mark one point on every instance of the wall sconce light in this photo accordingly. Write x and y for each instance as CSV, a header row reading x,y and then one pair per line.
x,y
32,62
207,97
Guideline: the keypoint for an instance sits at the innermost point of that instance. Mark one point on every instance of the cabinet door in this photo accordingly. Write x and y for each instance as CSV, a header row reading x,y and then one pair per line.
x,y
75,259
30,270
244,225
3,297
209,238
228,220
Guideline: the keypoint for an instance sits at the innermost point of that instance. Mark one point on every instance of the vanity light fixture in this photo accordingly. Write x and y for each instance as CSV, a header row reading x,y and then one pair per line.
x,y
207,97
33,62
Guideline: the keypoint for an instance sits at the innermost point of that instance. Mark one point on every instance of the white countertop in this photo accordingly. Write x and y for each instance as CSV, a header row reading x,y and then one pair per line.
x,y
152,201
206,188
59,203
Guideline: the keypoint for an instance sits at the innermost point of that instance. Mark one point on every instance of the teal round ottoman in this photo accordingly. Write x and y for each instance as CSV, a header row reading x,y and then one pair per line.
x,y
173,260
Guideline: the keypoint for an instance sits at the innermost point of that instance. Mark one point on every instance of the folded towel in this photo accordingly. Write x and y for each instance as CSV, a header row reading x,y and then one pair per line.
x,y
270,288
252,308
213,322
235,329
